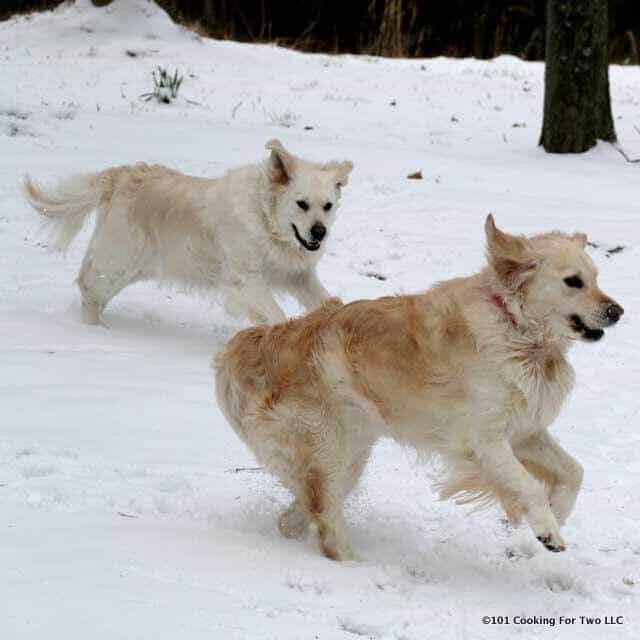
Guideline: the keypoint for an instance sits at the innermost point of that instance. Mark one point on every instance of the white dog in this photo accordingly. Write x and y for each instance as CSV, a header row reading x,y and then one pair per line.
x,y
474,370
258,229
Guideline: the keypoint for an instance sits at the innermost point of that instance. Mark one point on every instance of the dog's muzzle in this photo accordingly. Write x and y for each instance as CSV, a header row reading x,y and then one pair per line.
x,y
309,245
586,333
610,313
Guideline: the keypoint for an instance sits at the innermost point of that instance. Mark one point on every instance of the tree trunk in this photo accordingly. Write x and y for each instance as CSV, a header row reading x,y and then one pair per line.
x,y
577,105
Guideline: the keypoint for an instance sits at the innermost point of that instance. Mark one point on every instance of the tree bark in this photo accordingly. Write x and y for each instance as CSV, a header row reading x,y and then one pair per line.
x,y
577,104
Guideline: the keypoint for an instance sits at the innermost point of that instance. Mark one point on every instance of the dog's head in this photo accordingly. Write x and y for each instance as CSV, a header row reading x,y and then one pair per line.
x,y
554,279
306,196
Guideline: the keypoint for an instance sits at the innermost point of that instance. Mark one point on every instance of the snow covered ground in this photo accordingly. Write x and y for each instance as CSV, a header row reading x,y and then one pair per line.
x,y
122,514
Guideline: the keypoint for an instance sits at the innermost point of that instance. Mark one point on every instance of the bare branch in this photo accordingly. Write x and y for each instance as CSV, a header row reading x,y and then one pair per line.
x,y
624,154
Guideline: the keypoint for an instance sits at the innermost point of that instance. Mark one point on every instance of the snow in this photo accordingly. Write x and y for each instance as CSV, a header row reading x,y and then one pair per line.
x,y
123,513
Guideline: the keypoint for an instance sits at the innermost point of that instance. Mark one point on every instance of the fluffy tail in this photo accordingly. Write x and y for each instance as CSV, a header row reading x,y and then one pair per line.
x,y
67,205
230,397
239,374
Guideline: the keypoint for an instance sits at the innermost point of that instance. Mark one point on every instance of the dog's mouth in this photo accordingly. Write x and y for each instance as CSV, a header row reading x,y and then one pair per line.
x,y
312,245
578,325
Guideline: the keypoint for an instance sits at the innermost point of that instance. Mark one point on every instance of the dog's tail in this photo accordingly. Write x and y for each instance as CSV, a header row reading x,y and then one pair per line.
x,y
239,374
67,205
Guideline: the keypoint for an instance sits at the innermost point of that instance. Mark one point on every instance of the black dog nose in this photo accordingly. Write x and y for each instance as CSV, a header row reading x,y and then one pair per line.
x,y
614,311
318,231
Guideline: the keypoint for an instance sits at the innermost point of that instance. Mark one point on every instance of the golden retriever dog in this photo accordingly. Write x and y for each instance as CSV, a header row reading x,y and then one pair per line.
x,y
474,370
258,229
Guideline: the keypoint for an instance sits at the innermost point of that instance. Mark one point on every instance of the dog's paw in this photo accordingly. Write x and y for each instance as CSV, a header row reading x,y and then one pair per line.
x,y
293,523
552,542
339,553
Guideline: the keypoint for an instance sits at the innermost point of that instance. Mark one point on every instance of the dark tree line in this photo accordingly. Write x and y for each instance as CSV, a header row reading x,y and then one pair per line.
x,y
478,28
577,39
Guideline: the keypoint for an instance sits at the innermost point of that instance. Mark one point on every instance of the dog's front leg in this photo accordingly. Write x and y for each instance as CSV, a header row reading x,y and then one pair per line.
x,y
307,289
505,473
253,299
543,456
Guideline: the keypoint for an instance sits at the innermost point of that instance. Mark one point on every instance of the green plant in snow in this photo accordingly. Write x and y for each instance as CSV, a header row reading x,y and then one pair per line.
x,y
165,86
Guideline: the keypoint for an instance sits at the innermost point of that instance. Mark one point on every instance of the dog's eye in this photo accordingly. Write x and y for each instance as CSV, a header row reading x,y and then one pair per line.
x,y
574,281
303,205
327,207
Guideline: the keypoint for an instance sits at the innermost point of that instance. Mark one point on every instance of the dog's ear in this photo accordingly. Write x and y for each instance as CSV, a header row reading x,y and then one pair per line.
x,y
343,170
511,257
580,239
281,163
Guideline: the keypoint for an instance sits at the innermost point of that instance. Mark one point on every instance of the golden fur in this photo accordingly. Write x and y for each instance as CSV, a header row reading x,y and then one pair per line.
x,y
474,370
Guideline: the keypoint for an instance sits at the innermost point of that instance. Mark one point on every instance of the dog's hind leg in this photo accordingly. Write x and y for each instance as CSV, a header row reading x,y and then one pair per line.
x,y
354,471
112,262
312,458
560,472
92,302
294,522
98,285
334,468
323,495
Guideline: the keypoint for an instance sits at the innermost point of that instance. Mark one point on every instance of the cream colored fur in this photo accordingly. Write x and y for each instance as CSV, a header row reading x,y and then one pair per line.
x,y
233,233
474,370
